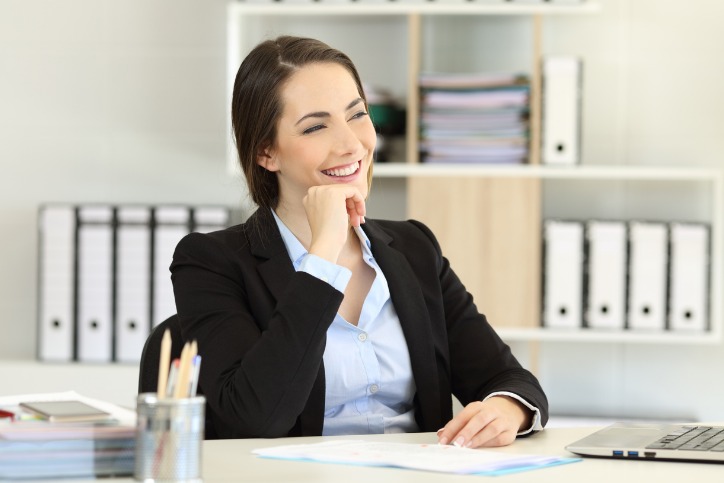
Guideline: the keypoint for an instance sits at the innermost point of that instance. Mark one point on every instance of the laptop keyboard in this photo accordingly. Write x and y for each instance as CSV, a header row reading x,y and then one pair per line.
x,y
692,438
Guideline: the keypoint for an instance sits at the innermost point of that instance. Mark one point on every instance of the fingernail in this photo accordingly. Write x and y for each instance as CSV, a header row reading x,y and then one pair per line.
x,y
459,442
442,441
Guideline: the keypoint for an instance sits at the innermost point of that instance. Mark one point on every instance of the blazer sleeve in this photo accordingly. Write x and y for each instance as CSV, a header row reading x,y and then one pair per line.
x,y
480,362
261,355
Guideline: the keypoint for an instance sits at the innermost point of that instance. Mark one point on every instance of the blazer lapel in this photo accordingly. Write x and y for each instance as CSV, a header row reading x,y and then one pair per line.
x,y
265,243
411,309
275,268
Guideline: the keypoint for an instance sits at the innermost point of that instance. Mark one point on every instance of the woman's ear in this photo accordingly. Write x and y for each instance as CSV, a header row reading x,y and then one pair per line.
x,y
266,160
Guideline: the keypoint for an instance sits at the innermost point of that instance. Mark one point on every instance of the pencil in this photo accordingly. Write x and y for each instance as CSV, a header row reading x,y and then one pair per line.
x,y
163,364
193,351
183,372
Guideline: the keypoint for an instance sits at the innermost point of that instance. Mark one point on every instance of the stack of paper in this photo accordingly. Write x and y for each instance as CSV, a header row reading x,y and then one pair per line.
x,y
479,118
40,449
424,457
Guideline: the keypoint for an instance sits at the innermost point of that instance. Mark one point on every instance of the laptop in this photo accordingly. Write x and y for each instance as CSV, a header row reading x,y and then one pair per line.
x,y
645,441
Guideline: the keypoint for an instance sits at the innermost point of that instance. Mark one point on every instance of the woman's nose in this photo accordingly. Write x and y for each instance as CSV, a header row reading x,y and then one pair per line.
x,y
347,141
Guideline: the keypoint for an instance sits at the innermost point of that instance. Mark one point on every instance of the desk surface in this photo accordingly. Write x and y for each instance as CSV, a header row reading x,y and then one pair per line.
x,y
231,460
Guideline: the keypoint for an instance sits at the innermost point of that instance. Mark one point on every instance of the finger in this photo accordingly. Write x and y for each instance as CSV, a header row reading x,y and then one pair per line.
x,y
450,432
354,218
477,423
356,208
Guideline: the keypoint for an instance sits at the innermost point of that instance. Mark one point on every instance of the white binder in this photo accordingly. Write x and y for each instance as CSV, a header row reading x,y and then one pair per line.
x,y
171,223
56,226
689,277
210,218
563,274
648,245
606,295
95,283
561,113
133,281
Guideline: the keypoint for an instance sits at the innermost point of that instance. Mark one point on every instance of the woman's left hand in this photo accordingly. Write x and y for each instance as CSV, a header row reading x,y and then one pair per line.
x,y
493,422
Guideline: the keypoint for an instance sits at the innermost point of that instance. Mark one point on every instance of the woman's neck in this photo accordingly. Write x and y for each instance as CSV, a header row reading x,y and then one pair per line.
x,y
295,218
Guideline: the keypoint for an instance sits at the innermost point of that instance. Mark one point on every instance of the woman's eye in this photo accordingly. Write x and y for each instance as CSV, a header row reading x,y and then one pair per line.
x,y
312,129
359,114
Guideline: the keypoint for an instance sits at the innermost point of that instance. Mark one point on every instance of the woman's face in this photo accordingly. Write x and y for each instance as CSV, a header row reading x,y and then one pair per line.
x,y
324,134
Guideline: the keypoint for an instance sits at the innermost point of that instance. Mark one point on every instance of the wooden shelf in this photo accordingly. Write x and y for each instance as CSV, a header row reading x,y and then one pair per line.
x,y
505,237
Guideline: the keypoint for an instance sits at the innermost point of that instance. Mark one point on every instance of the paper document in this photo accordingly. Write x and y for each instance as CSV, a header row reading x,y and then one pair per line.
x,y
424,457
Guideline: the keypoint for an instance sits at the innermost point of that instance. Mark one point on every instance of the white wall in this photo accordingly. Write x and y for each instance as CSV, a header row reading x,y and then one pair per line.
x,y
103,100
653,96
124,100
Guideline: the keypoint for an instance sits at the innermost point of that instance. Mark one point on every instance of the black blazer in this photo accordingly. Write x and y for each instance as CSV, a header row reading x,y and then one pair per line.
x,y
261,329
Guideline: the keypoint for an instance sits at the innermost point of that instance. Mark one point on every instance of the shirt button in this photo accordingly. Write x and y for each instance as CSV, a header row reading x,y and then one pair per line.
x,y
374,388
362,337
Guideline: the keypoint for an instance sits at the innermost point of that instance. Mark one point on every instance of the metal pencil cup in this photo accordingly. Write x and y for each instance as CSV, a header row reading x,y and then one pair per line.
x,y
168,438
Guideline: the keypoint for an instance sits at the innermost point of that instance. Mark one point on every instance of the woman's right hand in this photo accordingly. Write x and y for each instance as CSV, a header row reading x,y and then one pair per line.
x,y
331,209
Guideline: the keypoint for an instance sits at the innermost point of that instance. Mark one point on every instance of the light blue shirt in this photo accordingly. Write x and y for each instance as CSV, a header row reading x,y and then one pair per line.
x,y
369,383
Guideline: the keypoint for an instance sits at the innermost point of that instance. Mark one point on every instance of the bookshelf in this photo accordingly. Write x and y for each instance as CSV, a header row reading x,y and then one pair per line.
x,y
634,179
484,215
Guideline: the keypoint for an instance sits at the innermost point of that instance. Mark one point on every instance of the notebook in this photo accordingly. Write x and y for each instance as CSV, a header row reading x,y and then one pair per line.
x,y
686,442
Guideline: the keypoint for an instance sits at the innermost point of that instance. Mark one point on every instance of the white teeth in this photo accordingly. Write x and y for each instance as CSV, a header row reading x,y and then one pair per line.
x,y
343,171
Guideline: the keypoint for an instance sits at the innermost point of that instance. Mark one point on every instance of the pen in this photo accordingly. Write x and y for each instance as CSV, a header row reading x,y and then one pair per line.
x,y
195,376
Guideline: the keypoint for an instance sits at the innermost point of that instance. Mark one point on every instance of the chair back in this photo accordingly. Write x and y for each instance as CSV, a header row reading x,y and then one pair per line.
x,y
151,355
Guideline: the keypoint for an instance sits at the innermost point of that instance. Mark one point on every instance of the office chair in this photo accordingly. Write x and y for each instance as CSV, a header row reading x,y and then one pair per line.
x,y
148,370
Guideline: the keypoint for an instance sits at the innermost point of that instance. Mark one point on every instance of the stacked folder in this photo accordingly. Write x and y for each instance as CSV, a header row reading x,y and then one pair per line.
x,y
35,449
636,275
103,275
80,451
477,118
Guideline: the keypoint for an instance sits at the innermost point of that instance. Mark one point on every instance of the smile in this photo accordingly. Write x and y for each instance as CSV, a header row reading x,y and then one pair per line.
x,y
345,171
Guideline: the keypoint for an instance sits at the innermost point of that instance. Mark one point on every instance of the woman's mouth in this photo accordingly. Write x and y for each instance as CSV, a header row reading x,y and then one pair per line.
x,y
343,171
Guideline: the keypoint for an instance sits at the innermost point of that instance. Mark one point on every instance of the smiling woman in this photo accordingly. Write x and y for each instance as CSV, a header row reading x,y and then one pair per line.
x,y
314,320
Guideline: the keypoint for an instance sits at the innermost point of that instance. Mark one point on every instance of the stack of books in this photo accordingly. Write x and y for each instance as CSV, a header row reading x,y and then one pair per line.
x,y
35,447
474,118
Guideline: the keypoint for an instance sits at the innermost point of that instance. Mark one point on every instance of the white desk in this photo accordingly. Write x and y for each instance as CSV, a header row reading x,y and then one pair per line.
x,y
231,460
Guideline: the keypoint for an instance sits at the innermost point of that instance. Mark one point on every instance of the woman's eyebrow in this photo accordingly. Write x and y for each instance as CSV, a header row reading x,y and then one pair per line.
x,y
354,103
312,114
326,114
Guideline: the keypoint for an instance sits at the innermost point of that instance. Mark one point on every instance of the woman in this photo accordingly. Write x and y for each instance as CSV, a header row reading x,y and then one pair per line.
x,y
313,320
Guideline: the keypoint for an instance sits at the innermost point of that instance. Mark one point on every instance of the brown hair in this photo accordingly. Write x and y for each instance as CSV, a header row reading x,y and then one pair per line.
x,y
256,103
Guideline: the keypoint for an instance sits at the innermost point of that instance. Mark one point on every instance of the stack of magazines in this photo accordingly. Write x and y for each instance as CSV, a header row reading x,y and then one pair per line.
x,y
38,448
474,118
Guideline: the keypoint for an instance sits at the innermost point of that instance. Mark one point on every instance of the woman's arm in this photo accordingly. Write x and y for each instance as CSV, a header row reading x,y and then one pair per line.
x,y
481,365
261,355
